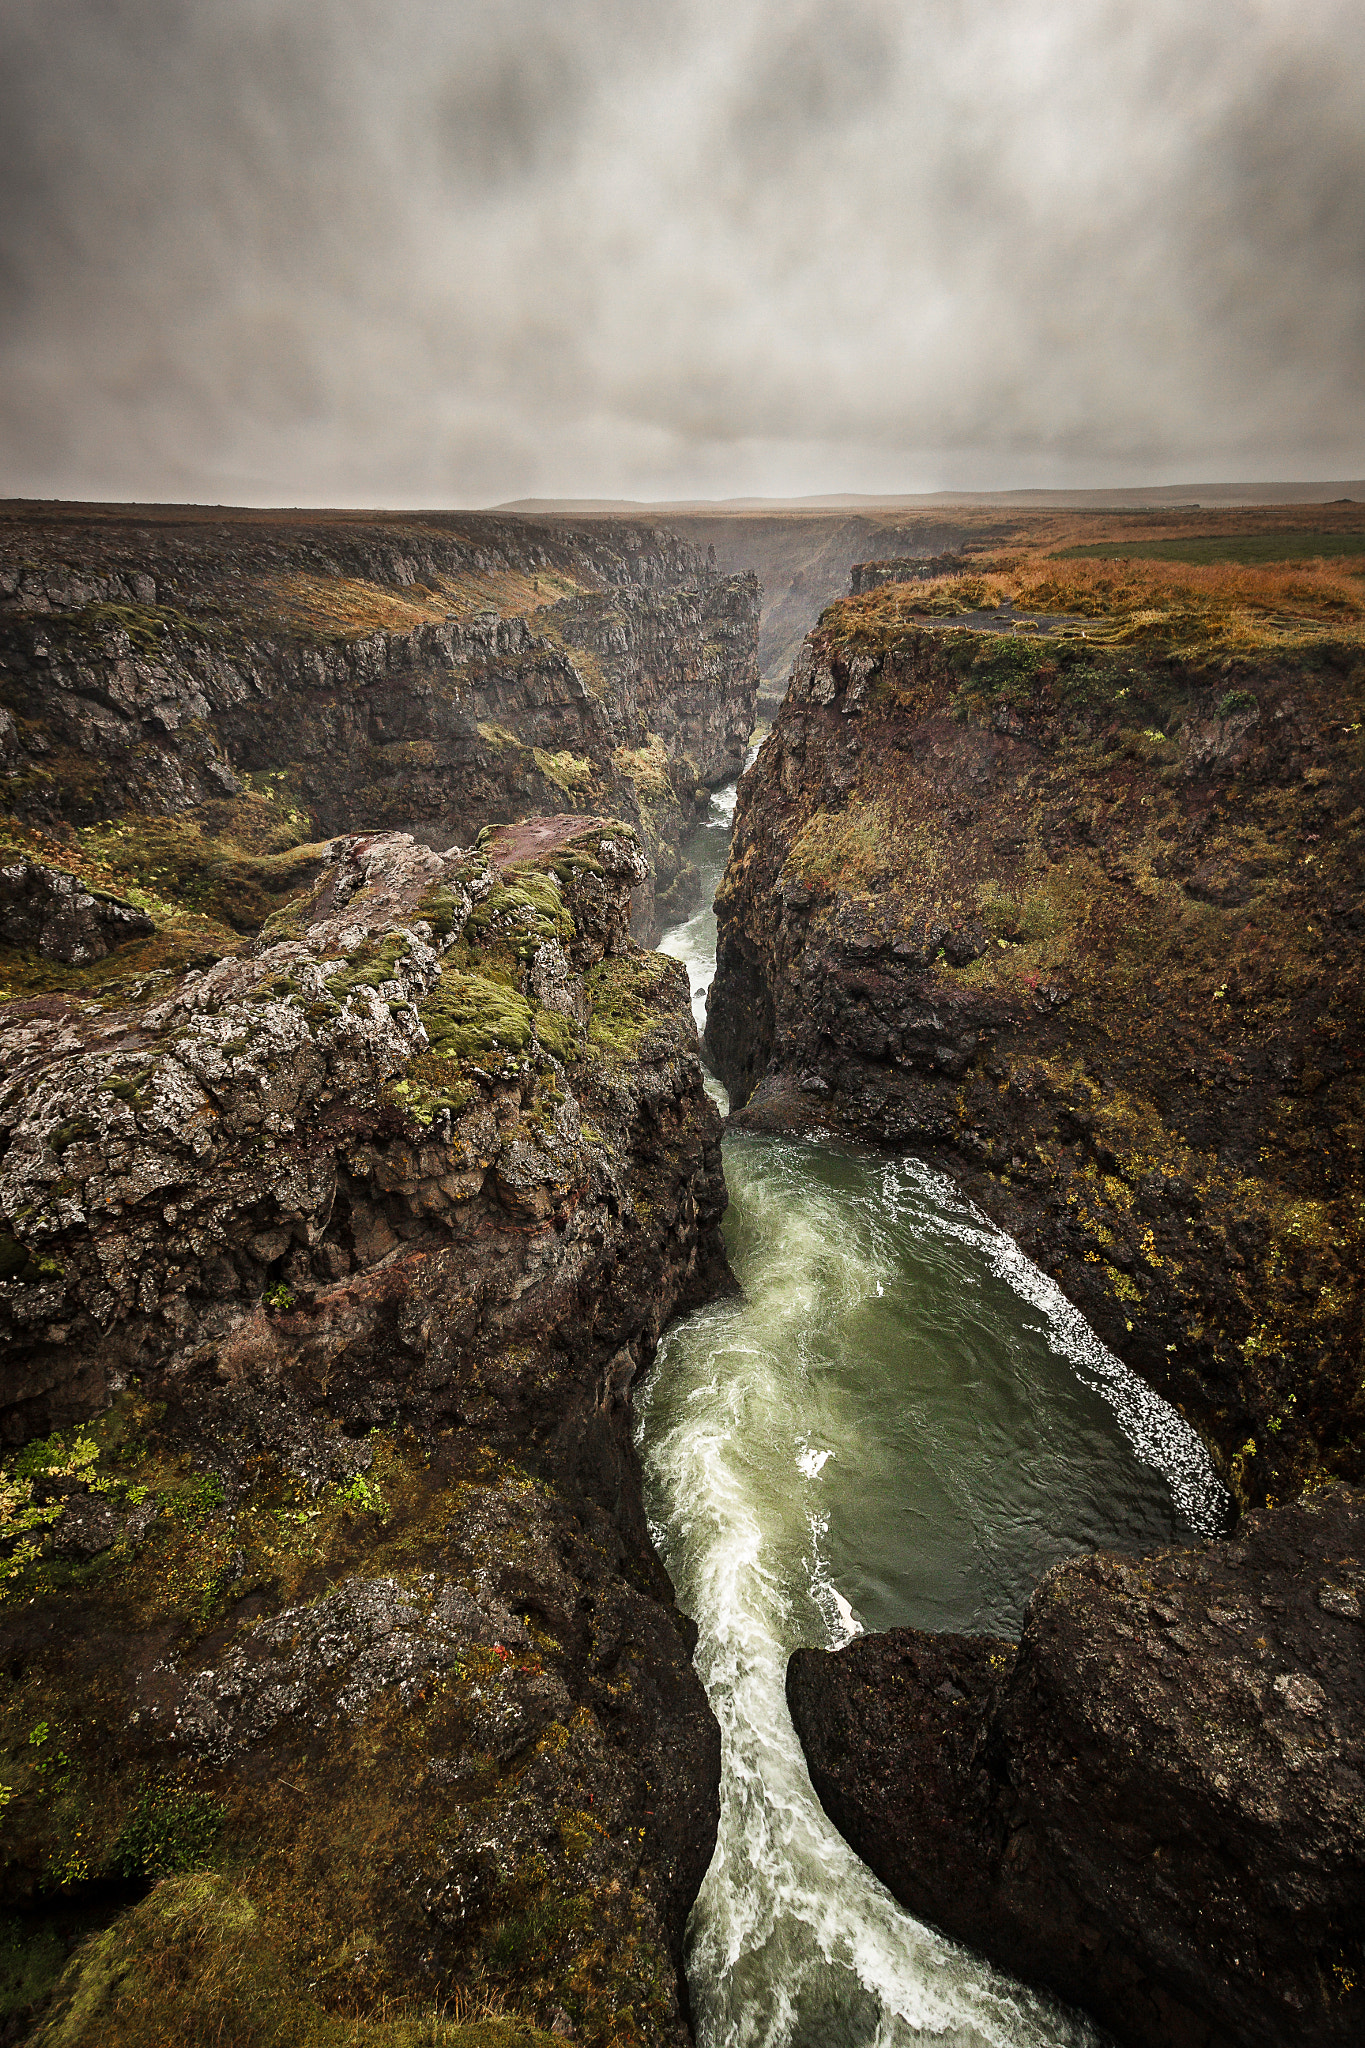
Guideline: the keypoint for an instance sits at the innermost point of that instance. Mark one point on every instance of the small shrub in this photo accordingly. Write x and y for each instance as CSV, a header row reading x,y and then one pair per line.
x,y
1234,701
364,1494
201,1496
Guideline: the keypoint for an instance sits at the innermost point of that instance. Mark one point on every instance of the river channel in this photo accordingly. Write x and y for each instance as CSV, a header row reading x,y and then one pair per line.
x,y
901,1422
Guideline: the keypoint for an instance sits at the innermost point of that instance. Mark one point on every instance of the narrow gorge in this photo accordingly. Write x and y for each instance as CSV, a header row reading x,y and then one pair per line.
x,y
511,1534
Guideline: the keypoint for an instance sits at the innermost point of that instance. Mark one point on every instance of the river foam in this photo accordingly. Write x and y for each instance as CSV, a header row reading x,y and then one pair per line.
x,y
900,1421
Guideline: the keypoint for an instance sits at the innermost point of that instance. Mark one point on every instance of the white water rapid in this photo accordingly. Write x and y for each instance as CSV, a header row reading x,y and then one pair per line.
x,y
901,1421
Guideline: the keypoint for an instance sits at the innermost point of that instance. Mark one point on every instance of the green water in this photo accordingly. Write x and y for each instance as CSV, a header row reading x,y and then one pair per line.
x,y
901,1422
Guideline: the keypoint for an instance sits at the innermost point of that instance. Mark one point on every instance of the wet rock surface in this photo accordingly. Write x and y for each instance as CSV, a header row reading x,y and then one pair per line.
x,y
1154,1804
326,1595
1081,924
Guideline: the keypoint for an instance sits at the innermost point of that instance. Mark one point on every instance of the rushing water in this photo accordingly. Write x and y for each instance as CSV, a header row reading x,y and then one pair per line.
x,y
901,1422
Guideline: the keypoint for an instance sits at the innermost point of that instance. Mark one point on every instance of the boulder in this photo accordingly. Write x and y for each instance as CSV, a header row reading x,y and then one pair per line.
x,y
44,910
1154,1804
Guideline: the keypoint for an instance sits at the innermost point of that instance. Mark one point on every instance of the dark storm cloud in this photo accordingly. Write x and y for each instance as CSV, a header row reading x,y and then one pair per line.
x,y
458,250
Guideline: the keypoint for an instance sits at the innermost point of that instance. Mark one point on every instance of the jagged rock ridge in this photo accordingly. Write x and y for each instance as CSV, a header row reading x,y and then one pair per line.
x,y
326,1276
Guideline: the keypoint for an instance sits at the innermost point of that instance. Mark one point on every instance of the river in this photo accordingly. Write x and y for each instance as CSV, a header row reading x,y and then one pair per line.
x,y
902,1421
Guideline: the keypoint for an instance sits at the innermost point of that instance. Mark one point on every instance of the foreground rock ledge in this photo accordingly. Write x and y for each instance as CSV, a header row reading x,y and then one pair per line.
x,y
327,1604
1154,1805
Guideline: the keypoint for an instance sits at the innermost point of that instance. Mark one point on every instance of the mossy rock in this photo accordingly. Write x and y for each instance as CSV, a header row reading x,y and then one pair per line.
x,y
559,1034
623,991
195,1963
443,911
470,1017
372,966
524,912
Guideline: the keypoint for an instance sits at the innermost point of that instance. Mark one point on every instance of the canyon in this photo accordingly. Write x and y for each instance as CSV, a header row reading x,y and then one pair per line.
x,y
266,673
1077,920
356,1168
355,1156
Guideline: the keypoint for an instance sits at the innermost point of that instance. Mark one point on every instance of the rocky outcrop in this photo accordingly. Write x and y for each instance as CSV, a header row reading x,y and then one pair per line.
x,y
1082,923
46,911
1155,1804
327,1274
426,676
904,569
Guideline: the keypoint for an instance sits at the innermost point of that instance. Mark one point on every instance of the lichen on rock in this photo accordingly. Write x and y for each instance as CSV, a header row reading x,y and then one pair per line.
x,y
338,1258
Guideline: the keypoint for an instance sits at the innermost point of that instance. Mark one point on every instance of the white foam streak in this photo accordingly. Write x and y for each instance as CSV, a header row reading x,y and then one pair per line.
x,y
793,1941
1159,1435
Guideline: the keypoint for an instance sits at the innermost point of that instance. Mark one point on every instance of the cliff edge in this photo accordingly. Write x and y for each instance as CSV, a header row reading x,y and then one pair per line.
x,y
346,1696
1081,921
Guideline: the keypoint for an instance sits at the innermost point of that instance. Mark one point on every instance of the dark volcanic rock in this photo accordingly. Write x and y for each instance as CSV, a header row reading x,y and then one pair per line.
x,y
425,675
1155,1806
45,911
1081,926
323,1562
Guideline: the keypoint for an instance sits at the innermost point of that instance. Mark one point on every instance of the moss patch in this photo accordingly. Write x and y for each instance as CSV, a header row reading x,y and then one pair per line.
x,y
469,1017
624,994
197,1962
522,913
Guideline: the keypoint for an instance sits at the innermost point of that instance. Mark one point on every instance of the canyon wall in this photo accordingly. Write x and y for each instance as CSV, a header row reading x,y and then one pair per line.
x,y
804,559
327,1603
428,675
1083,925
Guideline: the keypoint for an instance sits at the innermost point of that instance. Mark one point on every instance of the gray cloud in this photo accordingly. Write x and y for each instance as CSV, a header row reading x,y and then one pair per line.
x,y
451,251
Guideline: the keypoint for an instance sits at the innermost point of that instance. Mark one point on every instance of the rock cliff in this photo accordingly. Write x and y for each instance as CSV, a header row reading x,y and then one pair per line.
x,y
1154,1804
805,558
326,1596
427,675
1082,922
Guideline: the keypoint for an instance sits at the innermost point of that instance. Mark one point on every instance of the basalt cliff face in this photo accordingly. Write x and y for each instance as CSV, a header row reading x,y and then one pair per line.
x,y
1084,925
1154,1804
429,675
327,1604
1081,922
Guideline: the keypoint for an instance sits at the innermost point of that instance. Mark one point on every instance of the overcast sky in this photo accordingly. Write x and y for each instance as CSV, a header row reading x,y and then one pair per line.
x,y
424,252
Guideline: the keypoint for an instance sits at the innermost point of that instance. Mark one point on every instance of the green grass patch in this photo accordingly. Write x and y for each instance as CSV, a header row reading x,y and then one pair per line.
x,y
169,1830
843,849
1250,548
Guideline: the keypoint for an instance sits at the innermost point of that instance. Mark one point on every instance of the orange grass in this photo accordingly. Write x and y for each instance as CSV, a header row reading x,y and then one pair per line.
x,y
347,606
1192,608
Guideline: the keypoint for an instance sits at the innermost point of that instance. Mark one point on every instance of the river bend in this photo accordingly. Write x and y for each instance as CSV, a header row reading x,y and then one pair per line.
x,y
902,1421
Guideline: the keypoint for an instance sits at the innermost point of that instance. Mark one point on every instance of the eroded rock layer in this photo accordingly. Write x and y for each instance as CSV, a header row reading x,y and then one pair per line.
x,y
1083,923
1154,1804
326,1597
427,674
